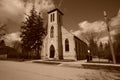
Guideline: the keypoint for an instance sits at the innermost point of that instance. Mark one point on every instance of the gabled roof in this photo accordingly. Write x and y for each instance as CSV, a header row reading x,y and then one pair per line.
x,y
80,39
56,9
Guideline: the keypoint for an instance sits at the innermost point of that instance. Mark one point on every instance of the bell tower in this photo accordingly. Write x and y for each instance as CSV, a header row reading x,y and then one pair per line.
x,y
55,34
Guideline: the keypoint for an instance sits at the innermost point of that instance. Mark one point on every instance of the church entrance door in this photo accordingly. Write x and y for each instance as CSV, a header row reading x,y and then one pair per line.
x,y
52,51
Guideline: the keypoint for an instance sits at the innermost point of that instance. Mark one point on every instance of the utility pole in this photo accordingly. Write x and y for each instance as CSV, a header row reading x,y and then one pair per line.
x,y
110,40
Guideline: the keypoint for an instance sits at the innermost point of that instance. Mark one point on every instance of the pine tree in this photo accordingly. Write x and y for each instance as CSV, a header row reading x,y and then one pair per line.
x,y
93,47
100,51
107,52
33,33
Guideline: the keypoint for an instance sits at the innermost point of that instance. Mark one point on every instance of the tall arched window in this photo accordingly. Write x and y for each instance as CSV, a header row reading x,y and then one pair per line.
x,y
51,17
66,45
52,32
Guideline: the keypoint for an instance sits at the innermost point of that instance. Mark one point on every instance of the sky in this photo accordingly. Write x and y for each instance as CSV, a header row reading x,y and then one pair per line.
x,y
77,11
79,15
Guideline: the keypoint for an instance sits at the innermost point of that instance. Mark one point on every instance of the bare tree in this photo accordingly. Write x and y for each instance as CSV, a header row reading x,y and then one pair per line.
x,y
92,37
2,30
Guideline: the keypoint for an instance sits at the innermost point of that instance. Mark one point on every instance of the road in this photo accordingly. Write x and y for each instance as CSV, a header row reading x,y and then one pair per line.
x,y
33,71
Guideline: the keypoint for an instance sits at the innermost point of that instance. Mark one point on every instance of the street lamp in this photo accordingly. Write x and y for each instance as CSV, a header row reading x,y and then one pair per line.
x,y
88,51
110,40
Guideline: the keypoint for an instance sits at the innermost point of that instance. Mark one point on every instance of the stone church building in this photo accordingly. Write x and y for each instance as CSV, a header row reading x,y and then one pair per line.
x,y
60,43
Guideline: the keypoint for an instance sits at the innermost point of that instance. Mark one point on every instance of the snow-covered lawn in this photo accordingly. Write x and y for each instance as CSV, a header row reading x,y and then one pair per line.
x,y
32,71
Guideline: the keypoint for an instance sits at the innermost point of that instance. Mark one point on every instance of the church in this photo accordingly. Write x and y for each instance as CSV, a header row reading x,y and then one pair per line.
x,y
59,43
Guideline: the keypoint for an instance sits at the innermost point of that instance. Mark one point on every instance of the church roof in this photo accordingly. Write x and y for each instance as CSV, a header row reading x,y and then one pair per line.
x,y
79,39
56,9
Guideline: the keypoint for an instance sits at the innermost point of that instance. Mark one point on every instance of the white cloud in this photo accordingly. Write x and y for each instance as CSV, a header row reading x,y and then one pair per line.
x,y
100,27
90,28
116,20
9,38
12,14
12,11
13,36
96,26
115,23
40,5
103,40
11,6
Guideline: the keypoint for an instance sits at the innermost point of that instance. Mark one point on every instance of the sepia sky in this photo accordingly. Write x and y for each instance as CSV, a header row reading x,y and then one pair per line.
x,y
87,10
79,15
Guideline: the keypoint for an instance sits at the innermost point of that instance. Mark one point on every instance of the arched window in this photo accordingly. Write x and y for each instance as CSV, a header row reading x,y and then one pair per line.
x,y
51,18
66,45
52,32
59,18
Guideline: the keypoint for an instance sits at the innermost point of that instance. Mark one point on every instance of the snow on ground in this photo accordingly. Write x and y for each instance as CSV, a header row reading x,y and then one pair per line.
x,y
32,71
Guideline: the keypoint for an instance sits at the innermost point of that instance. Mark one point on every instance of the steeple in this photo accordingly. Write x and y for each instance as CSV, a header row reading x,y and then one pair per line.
x,y
54,32
56,9
55,17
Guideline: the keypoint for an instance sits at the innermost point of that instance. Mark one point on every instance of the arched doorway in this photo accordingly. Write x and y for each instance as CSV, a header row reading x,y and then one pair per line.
x,y
52,51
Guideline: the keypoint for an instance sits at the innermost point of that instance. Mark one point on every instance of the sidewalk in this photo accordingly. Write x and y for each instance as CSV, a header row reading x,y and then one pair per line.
x,y
46,62
76,64
101,64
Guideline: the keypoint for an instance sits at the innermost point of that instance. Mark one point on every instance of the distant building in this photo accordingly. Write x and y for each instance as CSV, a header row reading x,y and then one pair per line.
x,y
60,43
3,51
7,52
